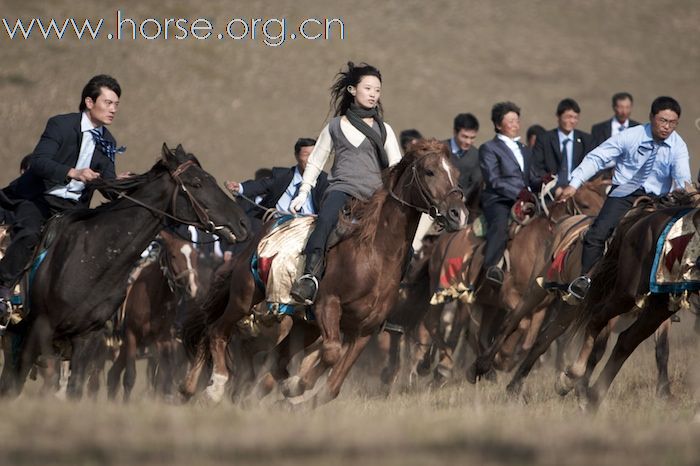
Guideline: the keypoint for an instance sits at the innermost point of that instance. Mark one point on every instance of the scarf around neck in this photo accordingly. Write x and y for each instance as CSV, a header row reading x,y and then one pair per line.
x,y
355,115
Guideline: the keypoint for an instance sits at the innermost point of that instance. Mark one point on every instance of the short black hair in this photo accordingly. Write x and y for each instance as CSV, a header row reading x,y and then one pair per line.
x,y
568,104
665,103
24,164
465,121
621,96
499,110
535,130
303,142
94,87
408,135
261,173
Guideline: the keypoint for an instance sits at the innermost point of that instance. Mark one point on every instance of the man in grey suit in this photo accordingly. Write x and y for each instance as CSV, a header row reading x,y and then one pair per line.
x,y
622,106
505,166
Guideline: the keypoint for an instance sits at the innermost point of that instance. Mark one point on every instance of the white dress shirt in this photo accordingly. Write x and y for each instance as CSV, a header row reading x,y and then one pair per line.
x,y
515,149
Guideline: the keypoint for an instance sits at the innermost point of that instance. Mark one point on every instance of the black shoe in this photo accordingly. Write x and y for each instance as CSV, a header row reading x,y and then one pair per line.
x,y
579,287
495,274
304,289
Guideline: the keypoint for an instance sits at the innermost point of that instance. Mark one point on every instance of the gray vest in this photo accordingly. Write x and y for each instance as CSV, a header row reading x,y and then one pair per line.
x,y
356,170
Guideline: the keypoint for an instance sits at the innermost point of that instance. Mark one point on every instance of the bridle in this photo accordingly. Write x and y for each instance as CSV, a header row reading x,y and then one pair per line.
x,y
432,210
203,222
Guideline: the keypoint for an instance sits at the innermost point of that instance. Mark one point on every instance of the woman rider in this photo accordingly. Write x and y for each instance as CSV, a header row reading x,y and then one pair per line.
x,y
363,144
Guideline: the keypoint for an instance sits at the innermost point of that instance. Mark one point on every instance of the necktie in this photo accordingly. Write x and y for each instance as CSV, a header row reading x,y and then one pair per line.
x,y
107,147
621,128
563,175
641,176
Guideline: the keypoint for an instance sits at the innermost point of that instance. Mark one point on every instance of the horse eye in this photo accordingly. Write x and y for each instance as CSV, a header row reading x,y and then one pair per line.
x,y
196,182
429,173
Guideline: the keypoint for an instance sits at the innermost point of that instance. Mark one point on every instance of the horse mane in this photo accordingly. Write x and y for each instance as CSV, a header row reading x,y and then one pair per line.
x,y
363,219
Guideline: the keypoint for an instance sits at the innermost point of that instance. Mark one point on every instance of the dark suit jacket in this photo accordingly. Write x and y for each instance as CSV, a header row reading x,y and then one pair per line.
x,y
55,154
601,131
468,166
501,172
272,189
546,155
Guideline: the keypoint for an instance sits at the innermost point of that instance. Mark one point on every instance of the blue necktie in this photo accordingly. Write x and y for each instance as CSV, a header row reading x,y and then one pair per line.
x,y
563,175
641,176
107,147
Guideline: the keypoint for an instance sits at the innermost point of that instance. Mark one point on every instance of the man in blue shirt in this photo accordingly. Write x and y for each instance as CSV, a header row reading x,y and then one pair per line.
x,y
649,160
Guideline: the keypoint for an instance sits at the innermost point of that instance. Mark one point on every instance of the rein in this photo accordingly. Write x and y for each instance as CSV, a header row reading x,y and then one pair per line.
x,y
433,210
204,222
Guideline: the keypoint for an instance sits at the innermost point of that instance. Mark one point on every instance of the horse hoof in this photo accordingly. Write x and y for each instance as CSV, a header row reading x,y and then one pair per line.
x,y
563,385
471,374
663,392
292,387
514,388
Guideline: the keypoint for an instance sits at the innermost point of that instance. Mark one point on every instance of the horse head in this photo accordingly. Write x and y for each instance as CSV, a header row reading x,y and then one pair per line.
x,y
427,181
198,200
180,263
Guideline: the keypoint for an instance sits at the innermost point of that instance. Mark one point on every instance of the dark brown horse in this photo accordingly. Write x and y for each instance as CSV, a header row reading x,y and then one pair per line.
x,y
619,284
364,270
149,313
89,252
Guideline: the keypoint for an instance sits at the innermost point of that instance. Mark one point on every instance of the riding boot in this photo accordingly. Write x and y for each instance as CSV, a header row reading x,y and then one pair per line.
x,y
305,288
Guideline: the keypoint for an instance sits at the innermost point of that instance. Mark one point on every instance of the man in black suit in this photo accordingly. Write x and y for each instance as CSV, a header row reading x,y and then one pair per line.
x,y
505,166
74,149
465,156
559,151
278,190
622,106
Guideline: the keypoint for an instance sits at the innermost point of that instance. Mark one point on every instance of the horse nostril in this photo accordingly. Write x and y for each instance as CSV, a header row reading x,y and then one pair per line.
x,y
454,214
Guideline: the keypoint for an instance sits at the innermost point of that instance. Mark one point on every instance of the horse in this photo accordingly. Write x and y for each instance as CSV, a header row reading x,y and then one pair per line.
x,y
149,313
620,284
362,278
79,277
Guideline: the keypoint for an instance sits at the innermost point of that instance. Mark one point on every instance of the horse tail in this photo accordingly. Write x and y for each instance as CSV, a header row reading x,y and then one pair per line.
x,y
201,315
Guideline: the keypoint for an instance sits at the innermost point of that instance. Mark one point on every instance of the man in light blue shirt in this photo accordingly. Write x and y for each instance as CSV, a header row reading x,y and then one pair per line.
x,y
649,160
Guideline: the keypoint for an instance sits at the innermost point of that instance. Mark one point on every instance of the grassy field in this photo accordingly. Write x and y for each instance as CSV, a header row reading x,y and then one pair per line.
x,y
471,424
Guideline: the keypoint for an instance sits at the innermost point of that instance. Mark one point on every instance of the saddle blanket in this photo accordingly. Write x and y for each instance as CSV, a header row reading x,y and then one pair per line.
x,y
279,260
676,268
455,252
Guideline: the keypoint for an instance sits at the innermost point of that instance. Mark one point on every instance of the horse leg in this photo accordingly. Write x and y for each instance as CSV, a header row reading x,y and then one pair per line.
x,y
391,371
115,373
663,386
655,313
130,348
560,322
484,362
78,366
340,370
599,347
615,306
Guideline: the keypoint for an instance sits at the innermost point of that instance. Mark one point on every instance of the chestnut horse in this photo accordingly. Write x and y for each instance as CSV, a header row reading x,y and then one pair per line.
x,y
149,312
362,278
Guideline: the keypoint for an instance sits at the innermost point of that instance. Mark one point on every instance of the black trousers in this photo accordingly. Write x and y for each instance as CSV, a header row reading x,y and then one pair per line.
x,y
603,226
328,214
496,214
29,218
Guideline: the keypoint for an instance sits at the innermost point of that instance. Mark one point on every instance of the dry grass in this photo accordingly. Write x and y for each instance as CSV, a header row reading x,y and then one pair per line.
x,y
472,424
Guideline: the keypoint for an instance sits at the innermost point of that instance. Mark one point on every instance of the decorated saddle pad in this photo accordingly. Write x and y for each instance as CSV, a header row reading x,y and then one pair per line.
x,y
565,235
279,260
451,260
676,267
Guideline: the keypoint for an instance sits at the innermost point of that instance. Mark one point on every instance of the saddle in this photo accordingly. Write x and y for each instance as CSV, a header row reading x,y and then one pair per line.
x,y
568,231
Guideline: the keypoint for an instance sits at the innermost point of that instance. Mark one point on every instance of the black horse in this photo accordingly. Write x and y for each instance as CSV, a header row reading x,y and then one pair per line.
x,y
82,279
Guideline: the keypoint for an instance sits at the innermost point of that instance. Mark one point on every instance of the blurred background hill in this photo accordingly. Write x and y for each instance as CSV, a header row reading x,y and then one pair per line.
x,y
240,105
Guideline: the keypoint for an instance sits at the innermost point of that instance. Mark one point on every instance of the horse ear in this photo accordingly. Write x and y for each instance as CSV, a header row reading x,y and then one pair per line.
x,y
180,151
167,156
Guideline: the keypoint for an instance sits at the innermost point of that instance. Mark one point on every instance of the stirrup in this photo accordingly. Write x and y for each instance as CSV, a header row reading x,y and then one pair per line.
x,y
303,299
578,288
